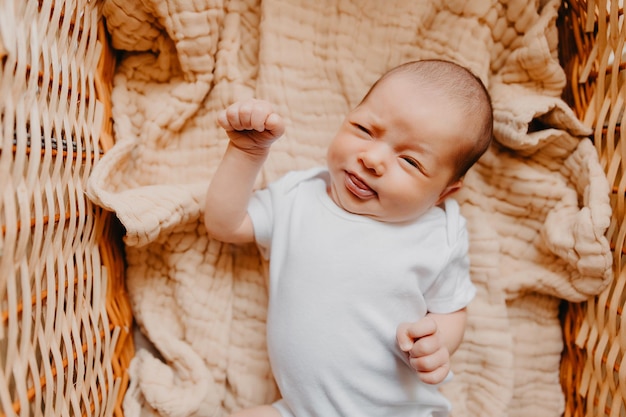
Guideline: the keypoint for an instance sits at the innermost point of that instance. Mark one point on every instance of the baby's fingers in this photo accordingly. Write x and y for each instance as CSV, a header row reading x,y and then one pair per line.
x,y
408,333
423,346
275,125
257,114
222,120
434,376
236,117
246,115
404,340
431,362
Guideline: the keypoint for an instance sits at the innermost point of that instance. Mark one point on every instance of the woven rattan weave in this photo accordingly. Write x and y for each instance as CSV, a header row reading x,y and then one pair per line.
x,y
64,348
592,45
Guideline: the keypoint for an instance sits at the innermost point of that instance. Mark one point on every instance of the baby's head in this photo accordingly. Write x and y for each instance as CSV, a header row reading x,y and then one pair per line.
x,y
467,96
410,141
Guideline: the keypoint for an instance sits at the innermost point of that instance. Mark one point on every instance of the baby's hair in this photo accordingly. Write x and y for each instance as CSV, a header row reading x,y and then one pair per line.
x,y
463,86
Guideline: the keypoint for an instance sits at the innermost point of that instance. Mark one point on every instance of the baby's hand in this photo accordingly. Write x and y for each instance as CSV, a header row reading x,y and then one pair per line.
x,y
423,343
252,125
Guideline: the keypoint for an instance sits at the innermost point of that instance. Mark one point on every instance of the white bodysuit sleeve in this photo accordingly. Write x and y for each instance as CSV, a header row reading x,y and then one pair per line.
x,y
453,288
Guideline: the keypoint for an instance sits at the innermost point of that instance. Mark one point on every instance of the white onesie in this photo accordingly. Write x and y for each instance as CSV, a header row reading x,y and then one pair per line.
x,y
340,284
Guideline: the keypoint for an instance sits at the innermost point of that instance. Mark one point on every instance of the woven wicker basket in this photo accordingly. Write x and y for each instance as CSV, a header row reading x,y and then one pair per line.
x,y
64,331
592,37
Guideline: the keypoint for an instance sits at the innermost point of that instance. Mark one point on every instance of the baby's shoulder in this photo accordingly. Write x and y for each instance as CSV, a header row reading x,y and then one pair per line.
x,y
451,219
292,179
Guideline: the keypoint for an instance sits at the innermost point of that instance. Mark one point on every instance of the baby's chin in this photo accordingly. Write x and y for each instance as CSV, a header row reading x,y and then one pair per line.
x,y
345,207
379,215
385,217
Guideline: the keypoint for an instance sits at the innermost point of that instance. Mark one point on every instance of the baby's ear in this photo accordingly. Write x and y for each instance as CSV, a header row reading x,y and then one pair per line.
x,y
450,190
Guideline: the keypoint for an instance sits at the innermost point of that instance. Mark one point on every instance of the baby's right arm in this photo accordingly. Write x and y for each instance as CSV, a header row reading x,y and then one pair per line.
x,y
252,126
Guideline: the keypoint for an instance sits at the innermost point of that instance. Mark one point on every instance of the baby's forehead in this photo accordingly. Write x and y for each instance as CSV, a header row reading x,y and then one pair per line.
x,y
412,86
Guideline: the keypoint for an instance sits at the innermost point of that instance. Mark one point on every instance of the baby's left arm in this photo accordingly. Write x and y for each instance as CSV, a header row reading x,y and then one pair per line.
x,y
430,342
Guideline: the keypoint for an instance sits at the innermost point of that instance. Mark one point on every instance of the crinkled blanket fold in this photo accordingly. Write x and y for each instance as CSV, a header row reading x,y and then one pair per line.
x,y
537,203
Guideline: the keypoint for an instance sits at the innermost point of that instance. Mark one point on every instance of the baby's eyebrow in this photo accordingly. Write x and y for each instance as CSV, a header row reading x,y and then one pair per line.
x,y
414,143
370,121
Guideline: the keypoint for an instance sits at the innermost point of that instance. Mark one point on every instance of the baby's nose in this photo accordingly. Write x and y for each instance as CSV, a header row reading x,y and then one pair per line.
x,y
374,159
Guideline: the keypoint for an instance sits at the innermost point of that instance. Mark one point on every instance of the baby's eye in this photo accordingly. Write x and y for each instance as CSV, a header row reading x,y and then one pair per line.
x,y
412,162
362,129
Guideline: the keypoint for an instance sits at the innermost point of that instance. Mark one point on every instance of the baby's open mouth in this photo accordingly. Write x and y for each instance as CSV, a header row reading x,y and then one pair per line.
x,y
358,187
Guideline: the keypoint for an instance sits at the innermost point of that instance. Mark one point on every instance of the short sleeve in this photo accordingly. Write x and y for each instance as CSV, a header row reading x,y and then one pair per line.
x,y
269,204
453,288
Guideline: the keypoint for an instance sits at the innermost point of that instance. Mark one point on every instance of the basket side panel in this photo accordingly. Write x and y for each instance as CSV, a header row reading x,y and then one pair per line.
x,y
64,348
592,52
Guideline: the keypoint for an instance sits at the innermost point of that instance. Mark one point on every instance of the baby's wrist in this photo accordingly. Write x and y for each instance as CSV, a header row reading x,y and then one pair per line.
x,y
250,152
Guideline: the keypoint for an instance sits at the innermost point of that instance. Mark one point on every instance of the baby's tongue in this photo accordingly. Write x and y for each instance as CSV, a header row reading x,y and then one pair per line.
x,y
359,188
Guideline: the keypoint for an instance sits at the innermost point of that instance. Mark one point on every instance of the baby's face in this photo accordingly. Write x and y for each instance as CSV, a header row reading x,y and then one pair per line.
x,y
393,157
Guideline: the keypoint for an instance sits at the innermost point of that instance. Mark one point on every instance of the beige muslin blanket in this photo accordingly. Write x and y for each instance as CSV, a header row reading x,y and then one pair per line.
x,y
537,203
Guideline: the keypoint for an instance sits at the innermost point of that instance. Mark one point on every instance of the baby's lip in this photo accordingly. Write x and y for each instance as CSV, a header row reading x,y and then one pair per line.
x,y
357,186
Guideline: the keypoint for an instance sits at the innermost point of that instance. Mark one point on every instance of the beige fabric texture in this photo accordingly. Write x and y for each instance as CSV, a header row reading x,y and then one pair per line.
x,y
537,203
